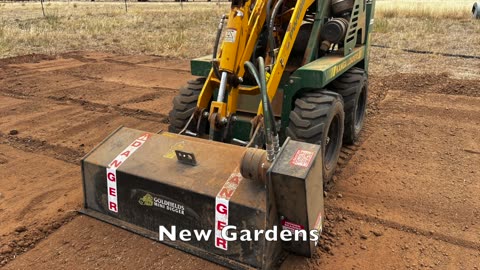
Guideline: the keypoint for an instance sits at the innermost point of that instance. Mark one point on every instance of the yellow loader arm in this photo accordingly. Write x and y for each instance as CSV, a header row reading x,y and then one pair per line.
x,y
241,35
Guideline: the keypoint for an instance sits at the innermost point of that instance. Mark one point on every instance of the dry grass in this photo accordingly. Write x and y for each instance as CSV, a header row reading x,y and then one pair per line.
x,y
151,28
167,29
437,35
424,9
439,26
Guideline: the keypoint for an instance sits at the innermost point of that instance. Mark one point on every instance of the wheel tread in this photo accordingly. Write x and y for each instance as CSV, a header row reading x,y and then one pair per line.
x,y
184,104
308,120
349,86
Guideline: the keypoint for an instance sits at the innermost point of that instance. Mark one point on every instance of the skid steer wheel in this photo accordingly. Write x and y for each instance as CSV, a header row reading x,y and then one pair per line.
x,y
318,118
184,105
353,87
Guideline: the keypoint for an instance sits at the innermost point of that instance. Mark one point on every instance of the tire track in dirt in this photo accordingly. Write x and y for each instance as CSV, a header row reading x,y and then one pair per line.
x,y
186,71
21,241
67,154
34,204
73,156
32,145
93,106
406,228
152,96
30,114
135,113
39,194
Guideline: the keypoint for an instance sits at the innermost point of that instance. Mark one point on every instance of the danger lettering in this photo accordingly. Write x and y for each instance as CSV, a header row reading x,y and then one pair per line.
x,y
114,165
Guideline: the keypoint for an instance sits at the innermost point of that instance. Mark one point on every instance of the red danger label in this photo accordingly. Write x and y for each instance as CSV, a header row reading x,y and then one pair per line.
x,y
222,209
302,158
112,170
287,225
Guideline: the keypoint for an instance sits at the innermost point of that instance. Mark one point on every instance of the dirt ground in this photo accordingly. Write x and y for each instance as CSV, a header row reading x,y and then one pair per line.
x,y
406,196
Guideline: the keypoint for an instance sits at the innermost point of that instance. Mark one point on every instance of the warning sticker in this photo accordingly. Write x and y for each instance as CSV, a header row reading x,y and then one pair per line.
x,y
230,35
171,152
302,158
222,209
112,170
287,225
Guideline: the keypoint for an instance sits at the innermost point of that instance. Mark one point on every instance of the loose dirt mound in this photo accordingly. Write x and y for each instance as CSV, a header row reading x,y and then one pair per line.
x,y
429,83
405,195
31,58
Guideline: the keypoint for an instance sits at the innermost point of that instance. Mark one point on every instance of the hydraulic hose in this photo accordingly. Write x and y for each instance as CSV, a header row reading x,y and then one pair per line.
x,y
267,106
271,136
269,12
271,42
216,44
266,118
271,24
219,34
274,148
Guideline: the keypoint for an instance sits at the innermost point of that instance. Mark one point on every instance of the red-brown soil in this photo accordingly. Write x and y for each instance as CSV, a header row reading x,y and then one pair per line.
x,y
406,196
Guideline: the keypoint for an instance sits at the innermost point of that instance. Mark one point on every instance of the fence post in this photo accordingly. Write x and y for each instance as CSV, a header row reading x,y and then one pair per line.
x,y
43,9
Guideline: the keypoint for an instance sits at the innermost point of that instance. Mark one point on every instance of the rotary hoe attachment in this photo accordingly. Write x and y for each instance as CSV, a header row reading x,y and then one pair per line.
x,y
148,184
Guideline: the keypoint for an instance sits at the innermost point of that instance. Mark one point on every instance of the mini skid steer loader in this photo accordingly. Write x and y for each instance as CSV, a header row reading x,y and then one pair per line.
x,y
252,142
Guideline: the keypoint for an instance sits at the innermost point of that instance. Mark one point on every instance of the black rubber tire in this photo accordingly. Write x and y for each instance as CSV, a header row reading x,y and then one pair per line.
x,y
184,105
476,11
316,114
353,87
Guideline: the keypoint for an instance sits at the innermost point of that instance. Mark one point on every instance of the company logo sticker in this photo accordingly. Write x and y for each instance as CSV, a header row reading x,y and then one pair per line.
x,y
154,201
146,200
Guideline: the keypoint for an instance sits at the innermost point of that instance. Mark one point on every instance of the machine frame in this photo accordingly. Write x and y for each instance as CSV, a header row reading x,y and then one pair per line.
x,y
315,73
